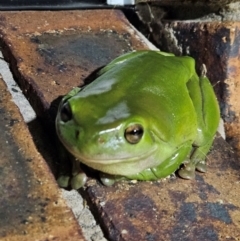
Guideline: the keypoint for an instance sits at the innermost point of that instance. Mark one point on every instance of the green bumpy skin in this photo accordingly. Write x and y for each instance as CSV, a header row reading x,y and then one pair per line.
x,y
146,113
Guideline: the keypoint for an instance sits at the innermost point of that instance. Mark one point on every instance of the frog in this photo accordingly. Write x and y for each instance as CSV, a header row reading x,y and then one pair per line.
x,y
147,115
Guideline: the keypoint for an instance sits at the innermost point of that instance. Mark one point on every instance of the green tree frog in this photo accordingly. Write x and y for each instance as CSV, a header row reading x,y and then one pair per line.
x,y
146,115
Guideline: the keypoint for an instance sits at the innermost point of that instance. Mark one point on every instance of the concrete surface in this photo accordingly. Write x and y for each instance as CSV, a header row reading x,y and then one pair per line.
x,y
18,98
90,227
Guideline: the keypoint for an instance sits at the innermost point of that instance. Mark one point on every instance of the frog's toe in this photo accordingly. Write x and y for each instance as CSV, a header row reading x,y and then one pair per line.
x,y
63,181
187,172
78,180
201,166
107,180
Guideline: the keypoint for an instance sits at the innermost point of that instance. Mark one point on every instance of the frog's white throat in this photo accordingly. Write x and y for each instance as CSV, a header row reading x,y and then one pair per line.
x,y
120,166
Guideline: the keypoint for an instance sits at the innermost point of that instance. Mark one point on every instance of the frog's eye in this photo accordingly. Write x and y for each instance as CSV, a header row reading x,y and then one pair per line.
x,y
134,133
66,112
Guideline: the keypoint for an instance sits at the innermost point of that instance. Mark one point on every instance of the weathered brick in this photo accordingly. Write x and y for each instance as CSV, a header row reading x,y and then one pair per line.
x,y
31,206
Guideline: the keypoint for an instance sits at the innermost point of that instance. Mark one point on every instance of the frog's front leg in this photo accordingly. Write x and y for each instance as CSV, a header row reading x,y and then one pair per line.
x,y
167,167
79,177
208,116
197,161
76,180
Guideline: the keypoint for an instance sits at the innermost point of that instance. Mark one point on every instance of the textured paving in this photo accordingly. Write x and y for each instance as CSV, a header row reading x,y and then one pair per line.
x,y
31,206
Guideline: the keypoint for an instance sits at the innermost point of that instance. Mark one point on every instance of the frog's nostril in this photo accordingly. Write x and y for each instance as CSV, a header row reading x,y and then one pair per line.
x,y
77,133
66,113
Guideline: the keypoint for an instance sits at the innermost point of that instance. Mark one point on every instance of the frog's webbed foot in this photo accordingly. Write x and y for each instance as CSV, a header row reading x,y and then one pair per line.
x,y
76,180
63,181
79,178
187,171
201,166
197,162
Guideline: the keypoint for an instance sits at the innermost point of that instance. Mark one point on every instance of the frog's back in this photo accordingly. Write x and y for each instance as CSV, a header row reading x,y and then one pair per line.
x,y
154,86
150,72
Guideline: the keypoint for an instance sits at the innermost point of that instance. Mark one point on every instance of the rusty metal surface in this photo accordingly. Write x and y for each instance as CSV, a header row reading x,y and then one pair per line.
x,y
207,208
31,207
51,52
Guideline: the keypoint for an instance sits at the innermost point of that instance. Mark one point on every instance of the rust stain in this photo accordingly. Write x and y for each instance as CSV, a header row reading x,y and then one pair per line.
x,y
31,207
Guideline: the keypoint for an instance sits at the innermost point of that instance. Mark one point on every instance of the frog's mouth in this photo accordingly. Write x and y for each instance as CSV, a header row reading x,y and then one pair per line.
x,y
121,166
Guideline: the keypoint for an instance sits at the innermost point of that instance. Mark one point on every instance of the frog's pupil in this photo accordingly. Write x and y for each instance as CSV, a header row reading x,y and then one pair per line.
x,y
66,113
137,132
